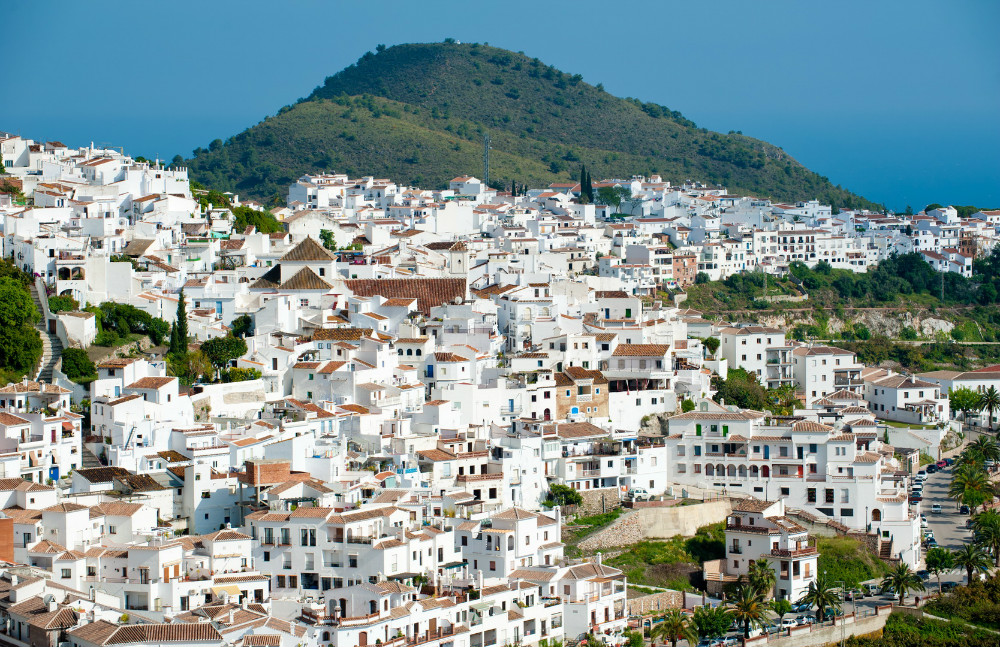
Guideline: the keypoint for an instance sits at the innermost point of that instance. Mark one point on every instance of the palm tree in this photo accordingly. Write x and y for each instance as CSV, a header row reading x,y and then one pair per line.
x,y
901,581
675,626
972,486
973,559
748,608
822,596
782,608
990,402
987,527
985,447
939,560
762,577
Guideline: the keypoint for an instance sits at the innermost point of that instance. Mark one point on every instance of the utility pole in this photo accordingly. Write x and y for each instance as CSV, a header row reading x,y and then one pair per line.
x,y
486,159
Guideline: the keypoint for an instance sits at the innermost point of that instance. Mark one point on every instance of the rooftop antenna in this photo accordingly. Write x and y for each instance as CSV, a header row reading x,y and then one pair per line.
x,y
486,159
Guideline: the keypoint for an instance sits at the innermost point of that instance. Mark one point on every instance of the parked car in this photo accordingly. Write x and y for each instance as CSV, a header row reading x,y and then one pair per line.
x,y
923,574
932,468
964,509
638,494
948,586
788,622
941,464
921,476
916,498
949,461
936,508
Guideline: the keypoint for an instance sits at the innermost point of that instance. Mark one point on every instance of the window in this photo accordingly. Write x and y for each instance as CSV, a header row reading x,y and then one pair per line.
x,y
66,574
828,495
697,430
784,491
697,450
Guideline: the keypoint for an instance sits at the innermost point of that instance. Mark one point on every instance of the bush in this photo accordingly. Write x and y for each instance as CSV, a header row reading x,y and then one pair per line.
x,y
124,319
106,338
237,374
62,304
76,364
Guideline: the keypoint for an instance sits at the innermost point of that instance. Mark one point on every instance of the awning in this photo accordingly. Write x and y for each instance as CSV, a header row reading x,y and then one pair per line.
x,y
481,606
230,589
454,564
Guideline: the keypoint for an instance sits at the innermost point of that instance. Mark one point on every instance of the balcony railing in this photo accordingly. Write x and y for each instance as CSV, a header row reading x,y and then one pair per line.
x,y
797,552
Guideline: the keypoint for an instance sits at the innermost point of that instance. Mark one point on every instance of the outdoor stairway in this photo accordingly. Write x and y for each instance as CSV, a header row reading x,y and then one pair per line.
x,y
51,346
90,460
885,550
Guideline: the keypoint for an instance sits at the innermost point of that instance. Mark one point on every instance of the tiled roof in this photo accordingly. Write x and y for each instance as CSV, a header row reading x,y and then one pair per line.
x,y
429,292
305,279
308,250
151,383
641,350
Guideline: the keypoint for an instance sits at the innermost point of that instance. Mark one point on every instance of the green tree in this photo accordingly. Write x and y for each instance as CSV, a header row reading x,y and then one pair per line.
x,y
242,326
674,625
76,364
190,367
963,399
973,559
901,581
179,340
741,389
821,595
62,303
762,577
238,374
984,448
584,198
20,343
781,608
712,622
748,608
990,402
563,495
613,196
222,350
326,237
987,529
971,486
939,560
711,344
687,405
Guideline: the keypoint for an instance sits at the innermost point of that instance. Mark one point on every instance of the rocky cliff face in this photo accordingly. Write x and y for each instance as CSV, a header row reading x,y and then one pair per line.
x,y
879,322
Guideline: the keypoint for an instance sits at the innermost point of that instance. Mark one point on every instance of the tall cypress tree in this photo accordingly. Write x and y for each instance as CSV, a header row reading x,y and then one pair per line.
x,y
181,326
590,189
583,184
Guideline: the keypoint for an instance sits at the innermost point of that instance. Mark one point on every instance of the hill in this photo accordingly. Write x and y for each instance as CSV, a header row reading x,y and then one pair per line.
x,y
417,113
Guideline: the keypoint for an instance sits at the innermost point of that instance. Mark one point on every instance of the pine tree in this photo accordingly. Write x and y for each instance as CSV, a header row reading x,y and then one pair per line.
x,y
181,325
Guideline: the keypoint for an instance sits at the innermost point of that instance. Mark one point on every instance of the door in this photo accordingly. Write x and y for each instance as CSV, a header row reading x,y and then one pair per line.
x,y
362,638
767,452
54,473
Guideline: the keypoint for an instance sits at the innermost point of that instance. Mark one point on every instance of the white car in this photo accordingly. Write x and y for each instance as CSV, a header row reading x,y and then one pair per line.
x,y
936,508
639,494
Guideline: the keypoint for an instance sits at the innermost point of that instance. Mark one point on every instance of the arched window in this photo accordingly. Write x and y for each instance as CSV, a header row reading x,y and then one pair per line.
x,y
400,351
876,515
575,410
510,542
326,636
409,351
419,352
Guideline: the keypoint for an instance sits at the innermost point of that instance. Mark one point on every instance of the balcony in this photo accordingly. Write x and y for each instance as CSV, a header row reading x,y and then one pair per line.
x,y
736,550
798,552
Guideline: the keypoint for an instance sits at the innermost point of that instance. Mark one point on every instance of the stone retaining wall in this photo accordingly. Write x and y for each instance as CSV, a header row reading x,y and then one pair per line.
x,y
598,501
655,603
627,529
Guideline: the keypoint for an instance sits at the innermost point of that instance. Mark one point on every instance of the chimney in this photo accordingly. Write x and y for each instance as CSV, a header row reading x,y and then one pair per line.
x,y
598,558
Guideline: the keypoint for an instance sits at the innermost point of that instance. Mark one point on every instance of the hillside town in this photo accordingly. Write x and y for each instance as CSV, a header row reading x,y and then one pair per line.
x,y
429,387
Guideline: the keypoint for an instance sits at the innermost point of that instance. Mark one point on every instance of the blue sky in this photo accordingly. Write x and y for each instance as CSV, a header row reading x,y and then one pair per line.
x,y
898,101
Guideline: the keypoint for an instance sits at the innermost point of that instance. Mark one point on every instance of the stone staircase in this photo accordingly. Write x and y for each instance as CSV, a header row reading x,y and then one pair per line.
x,y
90,460
51,346
885,550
